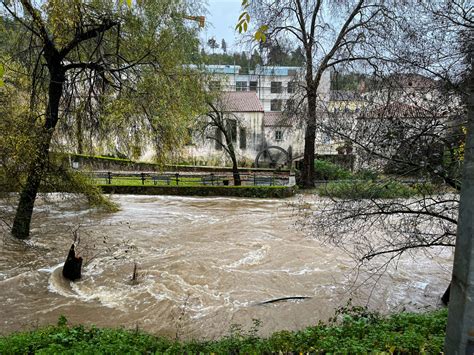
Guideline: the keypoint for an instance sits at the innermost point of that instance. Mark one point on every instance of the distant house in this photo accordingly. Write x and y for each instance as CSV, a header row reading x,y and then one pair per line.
x,y
347,102
262,103
244,114
399,138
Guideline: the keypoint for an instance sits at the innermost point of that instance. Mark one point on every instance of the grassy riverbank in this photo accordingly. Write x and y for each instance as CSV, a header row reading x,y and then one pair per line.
x,y
353,330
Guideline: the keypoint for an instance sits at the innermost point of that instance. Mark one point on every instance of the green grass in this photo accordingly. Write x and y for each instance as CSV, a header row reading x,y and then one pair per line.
x,y
357,331
136,181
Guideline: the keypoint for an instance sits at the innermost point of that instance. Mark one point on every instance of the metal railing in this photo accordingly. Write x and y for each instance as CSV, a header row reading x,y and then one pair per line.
x,y
188,179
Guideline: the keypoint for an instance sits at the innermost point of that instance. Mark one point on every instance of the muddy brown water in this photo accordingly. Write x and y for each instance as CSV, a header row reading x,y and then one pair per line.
x,y
204,264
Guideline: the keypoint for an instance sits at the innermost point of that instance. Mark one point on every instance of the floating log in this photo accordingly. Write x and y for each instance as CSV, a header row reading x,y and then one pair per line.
x,y
284,299
72,266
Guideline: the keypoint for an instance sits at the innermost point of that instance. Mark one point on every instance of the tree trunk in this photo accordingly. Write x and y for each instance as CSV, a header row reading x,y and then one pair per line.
x,y
21,223
24,211
307,174
236,174
235,168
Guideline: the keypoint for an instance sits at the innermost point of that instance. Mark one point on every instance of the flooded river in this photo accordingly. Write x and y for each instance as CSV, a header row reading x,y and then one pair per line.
x,y
203,265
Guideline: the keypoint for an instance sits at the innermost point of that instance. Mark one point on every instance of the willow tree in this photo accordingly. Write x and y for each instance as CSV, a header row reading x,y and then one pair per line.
x,y
125,62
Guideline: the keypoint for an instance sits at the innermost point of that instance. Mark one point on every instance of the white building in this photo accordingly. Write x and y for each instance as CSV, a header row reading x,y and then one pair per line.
x,y
260,102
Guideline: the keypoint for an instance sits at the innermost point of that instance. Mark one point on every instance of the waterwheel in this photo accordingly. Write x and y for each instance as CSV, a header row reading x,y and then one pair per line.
x,y
272,157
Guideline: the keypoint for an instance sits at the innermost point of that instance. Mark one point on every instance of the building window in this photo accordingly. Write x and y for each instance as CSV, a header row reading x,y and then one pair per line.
x,y
275,87
214,85
243,138
218,139
253,86
326,138
278,135
291,87
290,105
275,105
241,86
232,129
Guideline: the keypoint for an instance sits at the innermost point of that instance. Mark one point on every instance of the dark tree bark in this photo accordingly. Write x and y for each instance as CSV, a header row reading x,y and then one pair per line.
x,y
72,266
307,175
235,168
24,212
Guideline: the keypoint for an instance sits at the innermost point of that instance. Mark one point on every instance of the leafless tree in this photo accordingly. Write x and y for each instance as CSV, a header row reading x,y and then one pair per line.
x,y
331,33
220,126
412,128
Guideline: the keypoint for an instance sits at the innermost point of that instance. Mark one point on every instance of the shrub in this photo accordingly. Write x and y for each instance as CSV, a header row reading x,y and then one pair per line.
x,y
325,170
224,191
366,174
354,330
368,189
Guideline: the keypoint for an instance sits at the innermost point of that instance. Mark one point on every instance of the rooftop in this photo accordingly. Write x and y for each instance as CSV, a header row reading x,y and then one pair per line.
x,y
340,95
241,101
276,119
397,110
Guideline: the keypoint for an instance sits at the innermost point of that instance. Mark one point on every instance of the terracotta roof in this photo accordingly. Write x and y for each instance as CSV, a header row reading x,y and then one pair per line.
x,y
340,95
416,81
276,119
241,101
397,110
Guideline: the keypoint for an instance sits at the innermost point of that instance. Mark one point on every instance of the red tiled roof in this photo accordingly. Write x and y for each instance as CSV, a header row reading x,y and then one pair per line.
x,y
397,110
241,101
276,119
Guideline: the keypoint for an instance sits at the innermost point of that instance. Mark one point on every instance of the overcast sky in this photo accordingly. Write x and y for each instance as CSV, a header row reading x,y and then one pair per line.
x,y
221,21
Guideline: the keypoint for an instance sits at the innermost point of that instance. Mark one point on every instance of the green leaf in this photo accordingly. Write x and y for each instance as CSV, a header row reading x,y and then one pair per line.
x,y
245,13
129,3
245,26
239,26
263,28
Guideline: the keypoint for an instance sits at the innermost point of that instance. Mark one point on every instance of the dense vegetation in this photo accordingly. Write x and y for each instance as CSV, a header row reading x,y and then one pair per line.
x,y
325,170
364,189
353,330
186,190
365,184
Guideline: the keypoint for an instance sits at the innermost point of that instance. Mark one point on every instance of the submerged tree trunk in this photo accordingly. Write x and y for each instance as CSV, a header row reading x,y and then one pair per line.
x,y
24,211
73,265
22,221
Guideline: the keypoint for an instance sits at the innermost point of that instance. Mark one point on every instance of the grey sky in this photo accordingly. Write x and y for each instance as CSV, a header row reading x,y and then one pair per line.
x,y
221,21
